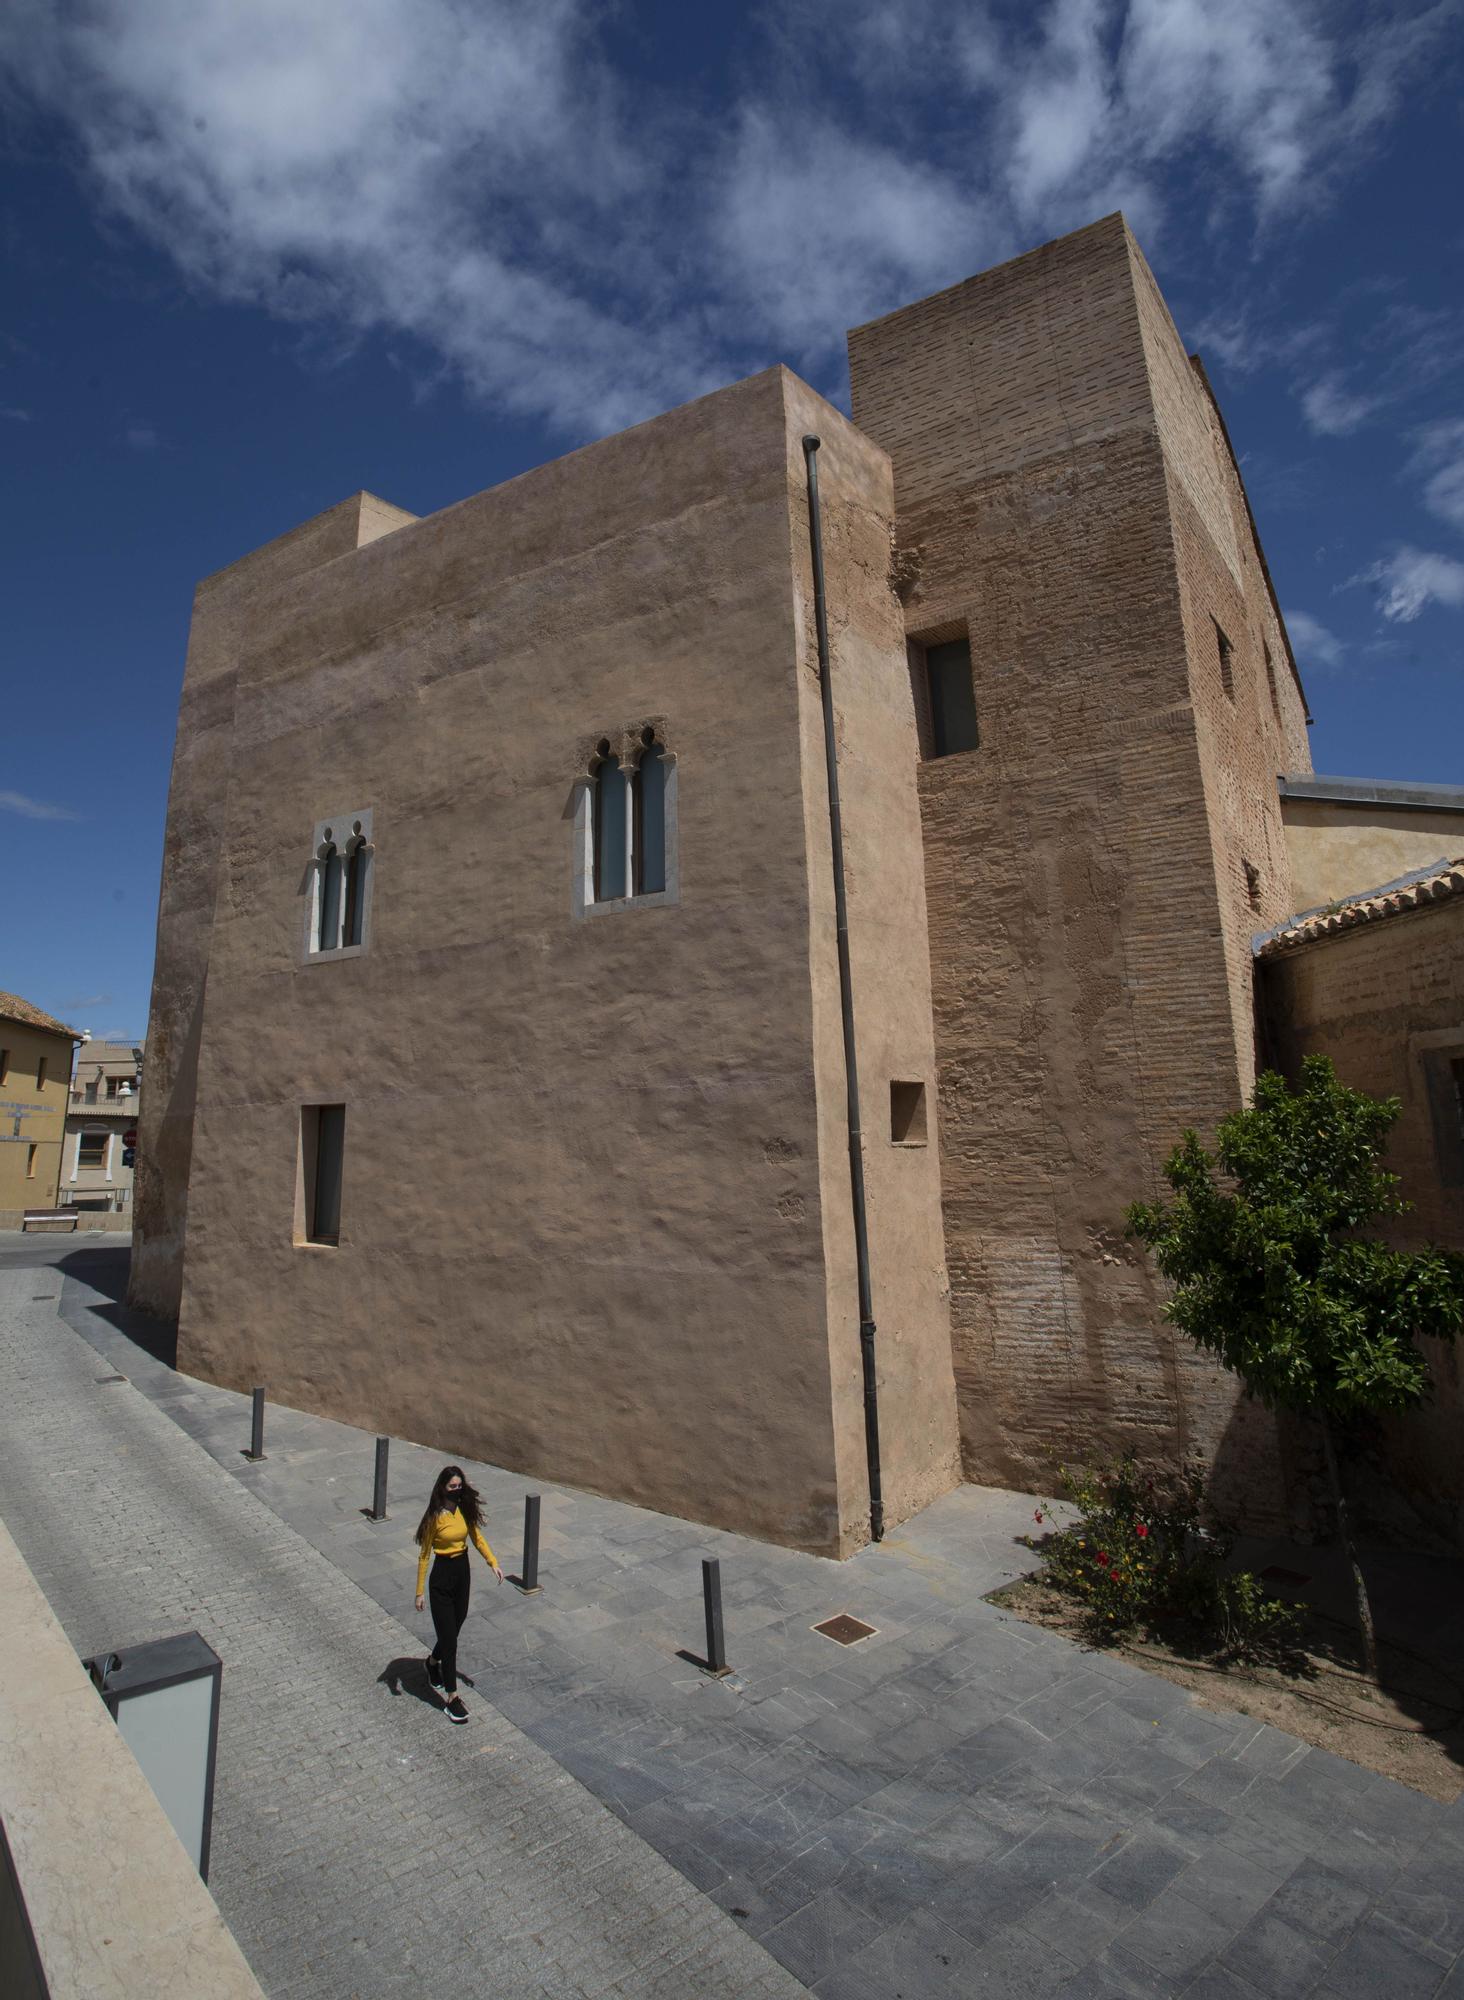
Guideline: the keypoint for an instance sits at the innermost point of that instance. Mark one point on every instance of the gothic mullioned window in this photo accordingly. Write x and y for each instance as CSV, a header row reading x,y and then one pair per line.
x,y
625,825
340,886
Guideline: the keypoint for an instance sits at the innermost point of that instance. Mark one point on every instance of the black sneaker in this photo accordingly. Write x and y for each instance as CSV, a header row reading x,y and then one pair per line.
x,y
455,1712
434,1675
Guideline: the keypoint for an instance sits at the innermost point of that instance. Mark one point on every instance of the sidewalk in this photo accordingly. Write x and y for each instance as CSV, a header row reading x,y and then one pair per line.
x,y
963,1804
363,1847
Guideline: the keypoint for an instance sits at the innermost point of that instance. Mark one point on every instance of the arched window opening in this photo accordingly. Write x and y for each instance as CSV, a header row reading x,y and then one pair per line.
x,y
648,835
338,905
329,935
357,863
612,829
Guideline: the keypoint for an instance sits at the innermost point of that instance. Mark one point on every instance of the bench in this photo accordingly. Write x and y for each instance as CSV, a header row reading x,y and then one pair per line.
x,y
49,1218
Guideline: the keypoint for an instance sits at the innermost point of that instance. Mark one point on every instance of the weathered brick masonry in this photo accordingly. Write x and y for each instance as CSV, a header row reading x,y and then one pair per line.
x,y
1065,495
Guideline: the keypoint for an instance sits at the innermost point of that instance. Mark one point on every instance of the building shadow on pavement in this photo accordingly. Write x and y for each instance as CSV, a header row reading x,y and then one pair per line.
x,y
105,1270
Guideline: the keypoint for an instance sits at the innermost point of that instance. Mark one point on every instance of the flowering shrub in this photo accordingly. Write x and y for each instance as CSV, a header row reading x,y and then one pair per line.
x,y
1141,1556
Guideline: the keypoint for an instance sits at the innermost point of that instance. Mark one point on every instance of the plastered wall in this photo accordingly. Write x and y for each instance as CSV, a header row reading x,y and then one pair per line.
x,y
591,1226
1385,1000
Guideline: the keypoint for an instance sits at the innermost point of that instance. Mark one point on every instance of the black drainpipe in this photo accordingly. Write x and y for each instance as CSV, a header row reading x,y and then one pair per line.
x,y
846,1007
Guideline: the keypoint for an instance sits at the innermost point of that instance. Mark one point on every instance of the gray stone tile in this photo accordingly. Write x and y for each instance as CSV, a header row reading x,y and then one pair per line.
x,y
1117,1975
1217,1982
1176,1936
1319,1901
1228,1885
921,1956
1143,1866
1074,1928
1380,1958
826,1932
1278,1960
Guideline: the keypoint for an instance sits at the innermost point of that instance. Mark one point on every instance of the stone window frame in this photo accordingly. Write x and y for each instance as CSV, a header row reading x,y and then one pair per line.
x,y
626,745
325,835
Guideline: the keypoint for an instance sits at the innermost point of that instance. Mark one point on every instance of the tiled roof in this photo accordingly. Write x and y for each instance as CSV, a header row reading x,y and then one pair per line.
x,y
13,1008
1433,885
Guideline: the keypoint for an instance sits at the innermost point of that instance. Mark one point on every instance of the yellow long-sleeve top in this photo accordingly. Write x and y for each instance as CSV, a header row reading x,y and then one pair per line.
x,y
450,1538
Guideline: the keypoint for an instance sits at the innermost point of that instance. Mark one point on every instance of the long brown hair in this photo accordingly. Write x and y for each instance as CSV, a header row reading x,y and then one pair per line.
x,y
443,1502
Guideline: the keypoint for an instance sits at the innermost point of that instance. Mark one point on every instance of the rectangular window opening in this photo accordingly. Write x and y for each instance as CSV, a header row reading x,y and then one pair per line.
x,y
950,699
30,1163
322,1147
4,1065
1271,681
1227,660
91,1150
907,1114
42,1063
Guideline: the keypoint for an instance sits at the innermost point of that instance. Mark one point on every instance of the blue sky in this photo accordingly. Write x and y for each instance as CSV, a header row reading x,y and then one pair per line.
x,y
254,256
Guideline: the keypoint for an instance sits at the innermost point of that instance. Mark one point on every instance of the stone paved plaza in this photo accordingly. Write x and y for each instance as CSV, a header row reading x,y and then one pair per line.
x,y
961,1805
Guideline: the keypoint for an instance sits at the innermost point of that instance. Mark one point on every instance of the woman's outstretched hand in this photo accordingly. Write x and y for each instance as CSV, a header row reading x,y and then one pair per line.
x,y
419,1600
498,1572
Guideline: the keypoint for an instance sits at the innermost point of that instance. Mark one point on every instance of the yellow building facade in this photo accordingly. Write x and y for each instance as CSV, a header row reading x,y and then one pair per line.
x,y
35,1087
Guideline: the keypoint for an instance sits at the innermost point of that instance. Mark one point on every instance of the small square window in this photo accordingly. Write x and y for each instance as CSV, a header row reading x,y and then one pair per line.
x,y
907,1114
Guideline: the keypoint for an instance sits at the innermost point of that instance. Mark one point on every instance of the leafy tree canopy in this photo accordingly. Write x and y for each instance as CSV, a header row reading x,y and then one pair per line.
x,y
1269,1272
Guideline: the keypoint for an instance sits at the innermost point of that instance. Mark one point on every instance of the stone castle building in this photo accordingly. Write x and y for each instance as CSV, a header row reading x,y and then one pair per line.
x,y
495,1081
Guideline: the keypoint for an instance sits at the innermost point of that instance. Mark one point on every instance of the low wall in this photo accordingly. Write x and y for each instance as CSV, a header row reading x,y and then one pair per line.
x,y
98,1900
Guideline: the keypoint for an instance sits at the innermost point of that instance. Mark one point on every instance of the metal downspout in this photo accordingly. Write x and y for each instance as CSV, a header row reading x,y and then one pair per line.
x,y
846,1007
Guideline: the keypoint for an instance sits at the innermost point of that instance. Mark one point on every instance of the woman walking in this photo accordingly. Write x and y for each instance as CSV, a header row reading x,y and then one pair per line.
x,y
454,1515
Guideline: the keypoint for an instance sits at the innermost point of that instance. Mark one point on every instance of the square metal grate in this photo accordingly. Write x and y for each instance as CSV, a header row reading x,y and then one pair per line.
x,y
845,1630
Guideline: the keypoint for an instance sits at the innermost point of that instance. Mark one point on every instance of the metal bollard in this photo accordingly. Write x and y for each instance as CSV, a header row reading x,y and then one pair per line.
x,y
378,1484
716,1661
528,1577
256,1427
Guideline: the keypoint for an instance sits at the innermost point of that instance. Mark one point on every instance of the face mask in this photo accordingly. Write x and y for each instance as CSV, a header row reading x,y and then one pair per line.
x,y
454,1499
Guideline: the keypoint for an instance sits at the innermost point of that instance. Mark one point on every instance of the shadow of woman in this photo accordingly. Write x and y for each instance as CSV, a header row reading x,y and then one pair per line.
x,y
408,1675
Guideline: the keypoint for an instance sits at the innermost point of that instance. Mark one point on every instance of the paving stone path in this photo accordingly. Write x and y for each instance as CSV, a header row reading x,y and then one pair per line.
x,y
961,1805
363,1846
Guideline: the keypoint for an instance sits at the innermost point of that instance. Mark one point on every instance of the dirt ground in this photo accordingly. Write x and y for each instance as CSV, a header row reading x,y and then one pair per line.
x,y
1411,1727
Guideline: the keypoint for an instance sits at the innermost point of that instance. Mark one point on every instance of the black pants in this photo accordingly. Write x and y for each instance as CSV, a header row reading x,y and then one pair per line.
x,y
447,1595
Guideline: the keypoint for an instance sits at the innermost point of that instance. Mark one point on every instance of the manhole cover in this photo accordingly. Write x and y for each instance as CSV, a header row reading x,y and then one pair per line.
x,y
844,1630
1276,1574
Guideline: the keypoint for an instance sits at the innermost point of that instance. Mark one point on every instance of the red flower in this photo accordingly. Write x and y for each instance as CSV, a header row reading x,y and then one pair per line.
x,y
1141,1531
1037,1517
1102,1559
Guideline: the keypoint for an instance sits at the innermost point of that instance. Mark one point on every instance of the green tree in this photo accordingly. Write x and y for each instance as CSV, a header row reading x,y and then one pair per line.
x,y
1272,1276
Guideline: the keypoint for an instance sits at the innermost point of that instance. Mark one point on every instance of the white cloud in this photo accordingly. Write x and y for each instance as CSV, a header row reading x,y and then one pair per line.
x,y
28,808
818,230
1408,581
1440,457
1332,410
16,416
141,437
477,175
1311,641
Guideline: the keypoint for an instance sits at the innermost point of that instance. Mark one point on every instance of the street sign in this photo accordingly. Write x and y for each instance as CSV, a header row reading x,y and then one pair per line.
x,y
129,1137
129,1156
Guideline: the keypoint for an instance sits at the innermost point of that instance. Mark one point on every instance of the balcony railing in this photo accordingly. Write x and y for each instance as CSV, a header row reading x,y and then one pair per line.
x,y
123,1107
